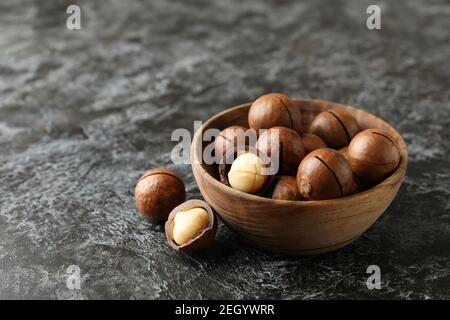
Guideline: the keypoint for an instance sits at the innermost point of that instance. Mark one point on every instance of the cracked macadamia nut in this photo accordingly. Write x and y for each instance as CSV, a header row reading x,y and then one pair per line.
x,y
283,143
229,139
286,189
336,127
157,192
324,174
274,109
373,155
312,142
191,226
248,173
187,224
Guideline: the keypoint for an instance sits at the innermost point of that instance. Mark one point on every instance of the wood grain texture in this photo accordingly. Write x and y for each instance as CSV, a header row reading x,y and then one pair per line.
x,y
296,227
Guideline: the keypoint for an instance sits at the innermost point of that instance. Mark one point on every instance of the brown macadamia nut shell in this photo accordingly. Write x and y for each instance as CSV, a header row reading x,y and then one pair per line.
x,y
157,192
274,109
344,152
289,149
335,126
312,142
229,139
324,174
357,186
373,155
286,189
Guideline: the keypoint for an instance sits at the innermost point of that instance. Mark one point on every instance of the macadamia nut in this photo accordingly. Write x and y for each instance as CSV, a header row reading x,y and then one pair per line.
x,y
157,192
272,110
247,173
188,224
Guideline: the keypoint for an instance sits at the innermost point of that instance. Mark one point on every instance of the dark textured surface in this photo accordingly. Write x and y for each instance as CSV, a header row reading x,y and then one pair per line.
x,y
84,113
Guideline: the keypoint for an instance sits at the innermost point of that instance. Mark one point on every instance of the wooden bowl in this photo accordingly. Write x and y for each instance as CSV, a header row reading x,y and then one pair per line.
x,y
296,227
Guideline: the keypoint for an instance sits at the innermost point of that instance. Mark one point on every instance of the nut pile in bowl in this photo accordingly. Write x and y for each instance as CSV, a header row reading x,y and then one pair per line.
x,y
330,159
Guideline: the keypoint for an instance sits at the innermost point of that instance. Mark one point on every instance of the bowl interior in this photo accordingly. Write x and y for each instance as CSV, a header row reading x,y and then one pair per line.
x,y
309,109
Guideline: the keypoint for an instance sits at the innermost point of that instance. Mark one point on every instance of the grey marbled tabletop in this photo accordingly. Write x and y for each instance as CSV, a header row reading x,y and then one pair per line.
x,y
84,113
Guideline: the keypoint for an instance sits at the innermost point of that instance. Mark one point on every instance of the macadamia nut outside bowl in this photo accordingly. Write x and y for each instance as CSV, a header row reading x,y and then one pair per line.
x,y
296,227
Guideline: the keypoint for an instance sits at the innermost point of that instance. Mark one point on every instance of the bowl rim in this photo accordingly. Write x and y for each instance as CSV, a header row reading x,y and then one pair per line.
x,y
395,177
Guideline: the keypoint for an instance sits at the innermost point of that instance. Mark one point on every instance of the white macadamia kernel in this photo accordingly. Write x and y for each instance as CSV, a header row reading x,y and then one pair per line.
x,y
188,224
247,173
